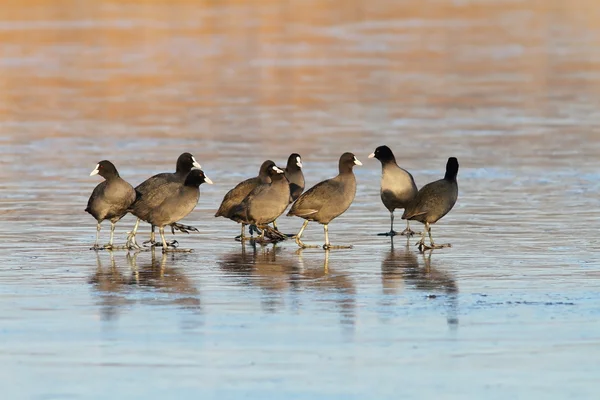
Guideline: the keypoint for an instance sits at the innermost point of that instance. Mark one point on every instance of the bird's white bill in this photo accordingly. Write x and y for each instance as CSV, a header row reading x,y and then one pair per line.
x,y
356,161
372,155
298,162
196,163
278,170
207,180
96,170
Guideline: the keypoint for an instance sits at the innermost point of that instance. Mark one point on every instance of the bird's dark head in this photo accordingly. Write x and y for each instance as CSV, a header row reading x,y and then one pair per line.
x,y
196,178
276,173
451,169
105,169
347,162
185,163
383,154
263,172
294,162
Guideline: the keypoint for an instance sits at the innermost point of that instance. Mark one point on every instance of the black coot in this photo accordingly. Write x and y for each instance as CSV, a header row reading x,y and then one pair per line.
x,y
433,201
176,205
265,203
236,195
109,200
154,190
328,199
398,187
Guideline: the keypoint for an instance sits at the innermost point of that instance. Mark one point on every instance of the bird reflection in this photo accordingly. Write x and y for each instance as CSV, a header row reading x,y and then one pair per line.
x,y
326,279
282,279
118,290
400,268
158,275
111,285
265,268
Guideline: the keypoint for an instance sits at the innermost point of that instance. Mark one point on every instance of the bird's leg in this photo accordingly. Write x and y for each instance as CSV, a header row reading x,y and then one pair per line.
x,y
432,245
421,243
182,228
275,225
161,230
109,246
152,240
299,235
96,246
169,248
261,237
242,235
328,245
131,243
154,243
408,232
391,232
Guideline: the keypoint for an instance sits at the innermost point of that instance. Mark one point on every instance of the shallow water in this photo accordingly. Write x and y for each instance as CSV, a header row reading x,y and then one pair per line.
x,y
510,88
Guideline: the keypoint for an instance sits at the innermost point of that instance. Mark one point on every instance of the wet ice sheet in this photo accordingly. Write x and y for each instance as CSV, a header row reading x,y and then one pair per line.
x,y
510,310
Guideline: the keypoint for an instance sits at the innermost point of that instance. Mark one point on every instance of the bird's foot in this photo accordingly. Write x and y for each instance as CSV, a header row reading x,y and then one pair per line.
x,y
274,235
173,244
390,233
264,241
114,247
110,247
183,228
302,245
330,247
409,232
432,246
252,229
133,246
175,250
131,243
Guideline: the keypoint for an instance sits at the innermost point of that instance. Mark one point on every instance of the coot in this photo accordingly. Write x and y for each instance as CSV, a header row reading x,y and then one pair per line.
x,y
109,200
328,199
236,195
398,187
176,205
265,203
433,201
153,191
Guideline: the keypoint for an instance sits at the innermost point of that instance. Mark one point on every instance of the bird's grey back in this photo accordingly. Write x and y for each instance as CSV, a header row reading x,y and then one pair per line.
x,y
111,199
175,206
398,186
329,198
236,195
433,201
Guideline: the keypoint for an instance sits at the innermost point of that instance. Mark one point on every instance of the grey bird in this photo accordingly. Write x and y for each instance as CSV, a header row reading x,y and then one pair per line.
x,y
155,189
398,187
236,195
265,203
327,200
175,206
110,199
433,201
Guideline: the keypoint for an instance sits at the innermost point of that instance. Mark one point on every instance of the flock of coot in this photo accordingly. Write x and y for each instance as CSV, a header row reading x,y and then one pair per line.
x,y
165,199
